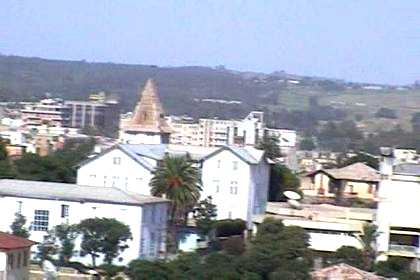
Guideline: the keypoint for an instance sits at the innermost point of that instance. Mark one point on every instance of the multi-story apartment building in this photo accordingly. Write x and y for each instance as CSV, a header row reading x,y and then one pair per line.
x,y
52,112
98,112
217,132
397,218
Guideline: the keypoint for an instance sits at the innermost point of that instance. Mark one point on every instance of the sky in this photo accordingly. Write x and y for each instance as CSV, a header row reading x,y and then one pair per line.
x,y
375,41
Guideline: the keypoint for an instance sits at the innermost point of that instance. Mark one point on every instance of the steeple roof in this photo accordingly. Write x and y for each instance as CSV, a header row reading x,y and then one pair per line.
x,y
149,115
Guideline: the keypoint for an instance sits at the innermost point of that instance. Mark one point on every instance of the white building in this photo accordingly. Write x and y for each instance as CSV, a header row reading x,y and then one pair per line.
x,y
46,205
399,202
236,177
217,132
329,227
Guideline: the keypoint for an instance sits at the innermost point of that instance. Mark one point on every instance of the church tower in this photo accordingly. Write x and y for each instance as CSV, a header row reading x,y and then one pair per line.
x,y
148,124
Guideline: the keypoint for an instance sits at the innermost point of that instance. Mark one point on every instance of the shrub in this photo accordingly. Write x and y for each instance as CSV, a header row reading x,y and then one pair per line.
x,y
230,227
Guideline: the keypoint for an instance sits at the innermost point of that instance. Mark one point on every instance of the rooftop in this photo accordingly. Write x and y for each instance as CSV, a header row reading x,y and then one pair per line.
x,y
12,242
73,192
357,171
344,271
197,153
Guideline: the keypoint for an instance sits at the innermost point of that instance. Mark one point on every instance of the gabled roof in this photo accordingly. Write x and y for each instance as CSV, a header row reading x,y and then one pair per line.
x,y
13,242
357,172
344,271
73,192
248,154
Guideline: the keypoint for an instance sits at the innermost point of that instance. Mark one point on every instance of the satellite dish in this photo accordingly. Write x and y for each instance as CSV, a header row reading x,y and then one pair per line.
x,y
292,199
292,195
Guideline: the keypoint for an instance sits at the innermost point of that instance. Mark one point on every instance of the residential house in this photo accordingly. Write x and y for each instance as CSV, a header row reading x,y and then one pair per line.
x,y
14,257
46,205
353,181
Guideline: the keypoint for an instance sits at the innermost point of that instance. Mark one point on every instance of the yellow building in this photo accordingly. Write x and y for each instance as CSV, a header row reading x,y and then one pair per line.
x,y
353,181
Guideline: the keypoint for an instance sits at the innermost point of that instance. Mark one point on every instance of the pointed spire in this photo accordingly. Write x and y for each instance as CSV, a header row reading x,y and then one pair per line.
x,y
149,115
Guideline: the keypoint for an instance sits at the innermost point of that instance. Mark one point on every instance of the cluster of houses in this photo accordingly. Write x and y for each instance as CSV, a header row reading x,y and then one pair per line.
x,y
115,183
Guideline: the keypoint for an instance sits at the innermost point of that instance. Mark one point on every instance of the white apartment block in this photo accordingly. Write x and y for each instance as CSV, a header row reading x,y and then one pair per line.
x,y
217,132
46,205
399,201
236,177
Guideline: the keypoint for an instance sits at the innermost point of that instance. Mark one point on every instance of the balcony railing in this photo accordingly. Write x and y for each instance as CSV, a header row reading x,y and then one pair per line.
x,y
404,248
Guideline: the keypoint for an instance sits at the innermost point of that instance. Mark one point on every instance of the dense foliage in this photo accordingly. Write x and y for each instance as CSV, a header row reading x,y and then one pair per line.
x,y
281,179
205,216
277,252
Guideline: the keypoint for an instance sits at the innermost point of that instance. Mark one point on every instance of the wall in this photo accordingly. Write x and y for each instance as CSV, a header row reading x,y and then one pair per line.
x,y
220,181
128,175
140,138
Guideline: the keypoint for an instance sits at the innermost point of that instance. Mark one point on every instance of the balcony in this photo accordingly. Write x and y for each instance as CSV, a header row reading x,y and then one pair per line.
x,y
404,250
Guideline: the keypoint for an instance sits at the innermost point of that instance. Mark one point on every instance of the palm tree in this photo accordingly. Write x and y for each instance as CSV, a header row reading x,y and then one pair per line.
x,y
178,180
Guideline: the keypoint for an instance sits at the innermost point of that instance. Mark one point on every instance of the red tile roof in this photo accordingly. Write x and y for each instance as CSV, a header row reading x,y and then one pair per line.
x,y
11,242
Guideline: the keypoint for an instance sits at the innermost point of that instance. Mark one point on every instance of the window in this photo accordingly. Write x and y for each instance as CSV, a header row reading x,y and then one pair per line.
x,y
92,176
230,215
152,245
370,189
64,211
218,163
142,241
25,258
41,220
19,260
116,160
234,187
216,186
235,165
11,260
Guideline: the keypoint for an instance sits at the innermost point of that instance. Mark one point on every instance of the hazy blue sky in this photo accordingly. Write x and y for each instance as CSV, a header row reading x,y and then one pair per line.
x,y
366,40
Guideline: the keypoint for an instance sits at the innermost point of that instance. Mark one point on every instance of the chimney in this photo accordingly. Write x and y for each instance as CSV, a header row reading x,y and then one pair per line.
x,y
387,162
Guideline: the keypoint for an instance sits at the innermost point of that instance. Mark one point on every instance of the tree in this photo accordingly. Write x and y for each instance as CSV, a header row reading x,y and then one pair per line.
x,y
386,113
307,144
103,236
178,180
368,240
361,157
66,235
281,179
148,270
270,145
205,216
18,226
396,267
279,250
349,255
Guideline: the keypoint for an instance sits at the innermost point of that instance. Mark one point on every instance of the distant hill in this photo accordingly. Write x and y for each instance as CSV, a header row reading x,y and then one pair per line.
x,y
182,88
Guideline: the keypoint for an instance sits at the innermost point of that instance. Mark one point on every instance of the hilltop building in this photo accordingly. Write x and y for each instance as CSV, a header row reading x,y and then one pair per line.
x,y
148,124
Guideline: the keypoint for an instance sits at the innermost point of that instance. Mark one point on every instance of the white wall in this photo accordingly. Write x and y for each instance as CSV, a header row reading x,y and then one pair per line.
x,y
130,215
128,175
140,138
220,179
